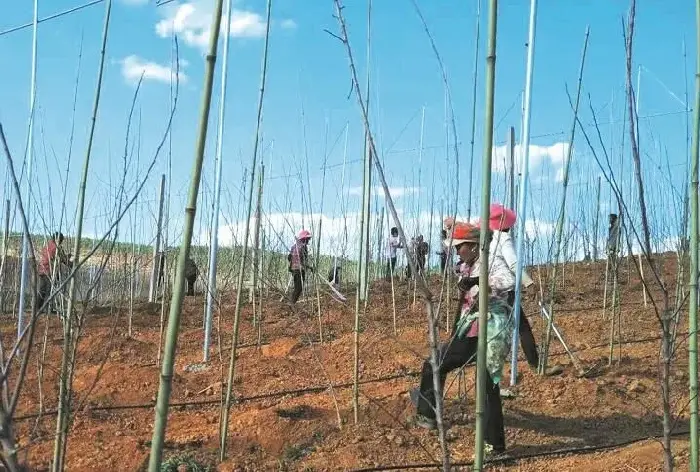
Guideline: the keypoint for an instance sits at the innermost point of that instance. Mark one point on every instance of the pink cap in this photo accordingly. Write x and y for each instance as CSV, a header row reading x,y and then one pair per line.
x,y
304,234
501,218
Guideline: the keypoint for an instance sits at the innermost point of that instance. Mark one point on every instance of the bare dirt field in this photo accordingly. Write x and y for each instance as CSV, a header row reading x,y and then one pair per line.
x,y
286,417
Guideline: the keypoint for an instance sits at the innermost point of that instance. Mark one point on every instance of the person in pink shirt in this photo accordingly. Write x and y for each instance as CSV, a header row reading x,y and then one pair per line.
x,y
47,265
298,263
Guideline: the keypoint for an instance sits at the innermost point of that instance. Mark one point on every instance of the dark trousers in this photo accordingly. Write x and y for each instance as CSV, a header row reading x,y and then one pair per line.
x,y
43,291
190,285
527,340
443,262
420,260
454,355
390,267
298,277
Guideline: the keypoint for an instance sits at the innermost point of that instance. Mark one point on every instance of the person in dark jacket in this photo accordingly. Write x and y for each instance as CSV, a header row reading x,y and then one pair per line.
x,y
613,236
191,273
422,250
298,263
52,253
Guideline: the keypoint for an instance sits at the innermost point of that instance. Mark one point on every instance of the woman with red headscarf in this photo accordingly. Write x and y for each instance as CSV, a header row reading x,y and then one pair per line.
x,y
462,348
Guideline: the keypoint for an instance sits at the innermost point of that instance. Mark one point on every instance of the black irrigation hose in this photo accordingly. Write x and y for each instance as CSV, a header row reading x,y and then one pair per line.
x,y
262,396
282,393
508,459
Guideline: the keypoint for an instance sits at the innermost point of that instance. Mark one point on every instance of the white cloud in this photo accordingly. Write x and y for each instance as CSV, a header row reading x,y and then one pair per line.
x,y
288,24
191,20
395,192
134,66
555,154
535,229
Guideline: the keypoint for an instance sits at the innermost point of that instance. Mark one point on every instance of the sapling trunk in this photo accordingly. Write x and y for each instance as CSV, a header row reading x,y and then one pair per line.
x,y
562,212
65,389
596,221
163,402
223,431
693,283
475,75
432,322
21,295
366,177
481,374
362,272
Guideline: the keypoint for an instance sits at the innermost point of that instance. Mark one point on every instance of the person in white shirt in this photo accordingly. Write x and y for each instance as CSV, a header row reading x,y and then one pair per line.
x,y
501,221
393,243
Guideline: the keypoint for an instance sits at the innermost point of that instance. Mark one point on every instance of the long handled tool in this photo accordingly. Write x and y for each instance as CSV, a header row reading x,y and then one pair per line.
x,y
335,291
574,359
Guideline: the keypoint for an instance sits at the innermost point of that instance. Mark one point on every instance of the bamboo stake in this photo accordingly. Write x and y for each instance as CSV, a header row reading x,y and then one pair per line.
x,y
29,159
68,357
214,236
475,74
152,292
562,212
163,402
481,374
644,286
693,284
522,202
367,175
317,255
511,167
260,298
393,285
596,221
223,426
255,293
361,293
5,241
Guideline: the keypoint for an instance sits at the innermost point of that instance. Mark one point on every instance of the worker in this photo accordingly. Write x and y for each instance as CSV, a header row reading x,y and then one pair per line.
x,y
462,348
501,220
298,263
191,273
422,250
46,271
393,243
613,236
444,251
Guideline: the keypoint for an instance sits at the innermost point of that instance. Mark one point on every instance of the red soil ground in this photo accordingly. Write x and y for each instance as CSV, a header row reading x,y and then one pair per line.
x,y
299,431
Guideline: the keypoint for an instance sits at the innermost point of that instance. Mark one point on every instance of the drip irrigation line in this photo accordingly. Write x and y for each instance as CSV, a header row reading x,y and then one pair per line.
x,y
51,17
282,393
199,403
507,459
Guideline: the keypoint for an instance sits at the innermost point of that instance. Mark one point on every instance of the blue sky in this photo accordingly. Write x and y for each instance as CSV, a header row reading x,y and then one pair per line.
x,y
308,67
